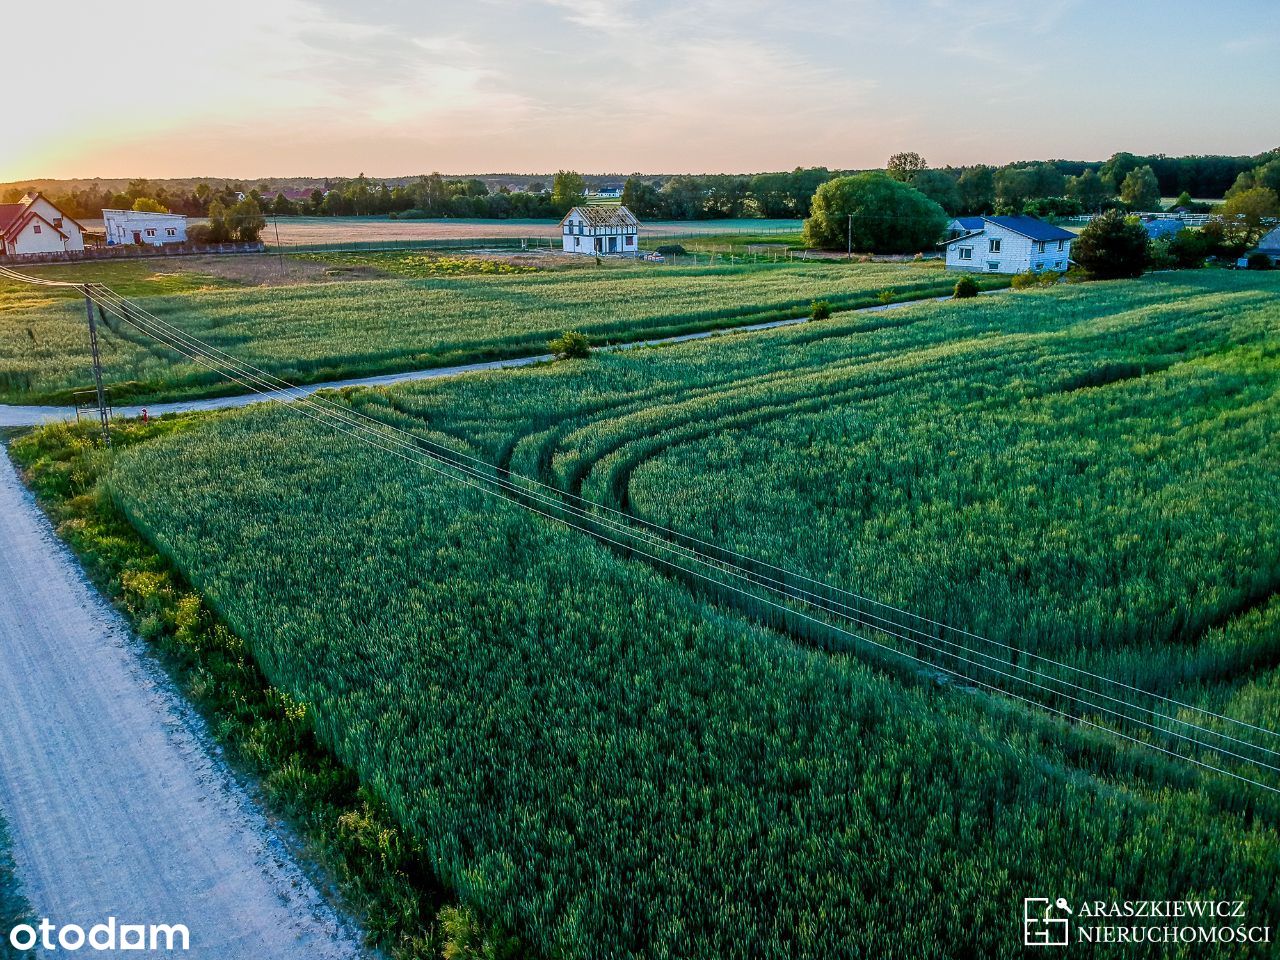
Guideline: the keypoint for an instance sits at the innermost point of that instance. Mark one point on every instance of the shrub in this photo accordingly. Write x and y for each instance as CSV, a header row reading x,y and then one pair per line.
x,y
886,297
1191,248
1112,247
671,250
819,310
570,345
1031,278
1259,261
965,288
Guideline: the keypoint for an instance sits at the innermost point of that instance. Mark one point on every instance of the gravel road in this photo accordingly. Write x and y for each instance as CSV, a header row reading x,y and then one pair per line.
x,y
115,802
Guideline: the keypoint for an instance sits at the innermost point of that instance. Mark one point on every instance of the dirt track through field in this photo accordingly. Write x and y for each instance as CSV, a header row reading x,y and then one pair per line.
x,y
18,415
116,806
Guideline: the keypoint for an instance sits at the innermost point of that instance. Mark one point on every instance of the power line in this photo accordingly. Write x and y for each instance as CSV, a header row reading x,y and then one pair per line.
x,y
812,597
346,420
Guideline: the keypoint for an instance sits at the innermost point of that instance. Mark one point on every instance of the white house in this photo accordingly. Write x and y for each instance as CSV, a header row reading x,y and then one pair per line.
x,y
35,225
1270,245
137,227
1010,245
601,229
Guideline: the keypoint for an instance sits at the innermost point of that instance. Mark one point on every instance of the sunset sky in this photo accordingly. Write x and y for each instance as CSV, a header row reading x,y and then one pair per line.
x,y
256,88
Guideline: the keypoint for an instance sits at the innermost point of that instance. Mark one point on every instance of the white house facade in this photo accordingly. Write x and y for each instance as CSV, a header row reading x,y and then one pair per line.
x,y
35,225
1010,245
604,230
1270,245
135,227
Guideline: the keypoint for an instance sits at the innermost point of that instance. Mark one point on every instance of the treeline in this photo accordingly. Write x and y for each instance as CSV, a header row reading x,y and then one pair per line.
x,y
1058,188
1042,188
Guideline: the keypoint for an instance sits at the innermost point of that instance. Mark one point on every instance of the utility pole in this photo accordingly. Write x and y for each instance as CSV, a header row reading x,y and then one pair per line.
x,y
97,364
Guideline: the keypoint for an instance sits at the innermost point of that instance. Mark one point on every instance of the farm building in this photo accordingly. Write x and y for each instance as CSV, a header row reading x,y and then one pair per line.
x,y
35,225
959,226
605,229
135,227
1270,245
1010,245
1163,228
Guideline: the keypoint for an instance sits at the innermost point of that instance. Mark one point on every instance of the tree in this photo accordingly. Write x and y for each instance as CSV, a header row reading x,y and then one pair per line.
x,y
1111,247
905,166
977,187
1140,190
939,186
873,212
567,190
1016,185
245,221
1248,215
217,229
640,198
147,205
1090,190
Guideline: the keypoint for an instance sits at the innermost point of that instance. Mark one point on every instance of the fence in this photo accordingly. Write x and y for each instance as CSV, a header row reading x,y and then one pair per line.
x,y
132,252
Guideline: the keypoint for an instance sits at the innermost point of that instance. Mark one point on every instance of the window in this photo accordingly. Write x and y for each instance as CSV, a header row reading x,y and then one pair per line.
x,y
151,231
1058,265
1039,246
995,245
1039,266
993,265
1060,243
35,228
57,223
170,231
964,253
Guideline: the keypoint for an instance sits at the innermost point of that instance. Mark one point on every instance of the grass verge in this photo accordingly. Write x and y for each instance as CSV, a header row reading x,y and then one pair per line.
x,y
14,908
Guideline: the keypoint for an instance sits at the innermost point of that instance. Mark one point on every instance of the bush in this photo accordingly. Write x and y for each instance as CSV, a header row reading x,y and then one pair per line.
x,y
965,288
819,310
1112,247
1259,261
886,297
1031,278
671,250
1191,248
570,345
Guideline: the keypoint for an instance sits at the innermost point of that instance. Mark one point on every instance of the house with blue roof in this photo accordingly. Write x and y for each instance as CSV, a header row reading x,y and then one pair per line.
x,y
1163,228
959,226
1009,245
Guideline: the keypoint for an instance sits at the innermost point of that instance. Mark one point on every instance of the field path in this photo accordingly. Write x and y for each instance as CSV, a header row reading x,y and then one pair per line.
x,y
16,415
114,802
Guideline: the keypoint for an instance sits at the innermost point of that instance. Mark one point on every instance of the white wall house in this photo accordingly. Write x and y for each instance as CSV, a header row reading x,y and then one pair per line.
x,y
604,229
1270,245
34,225
135,227
1010,245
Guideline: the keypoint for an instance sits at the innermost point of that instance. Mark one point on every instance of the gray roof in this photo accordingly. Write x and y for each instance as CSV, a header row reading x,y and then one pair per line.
x,y
967,223
1271,242
1032,227
1029,227
1157,229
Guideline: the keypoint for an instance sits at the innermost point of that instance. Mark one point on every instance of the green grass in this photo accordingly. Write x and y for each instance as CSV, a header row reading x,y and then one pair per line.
x,y
589,754
317,332
14,908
